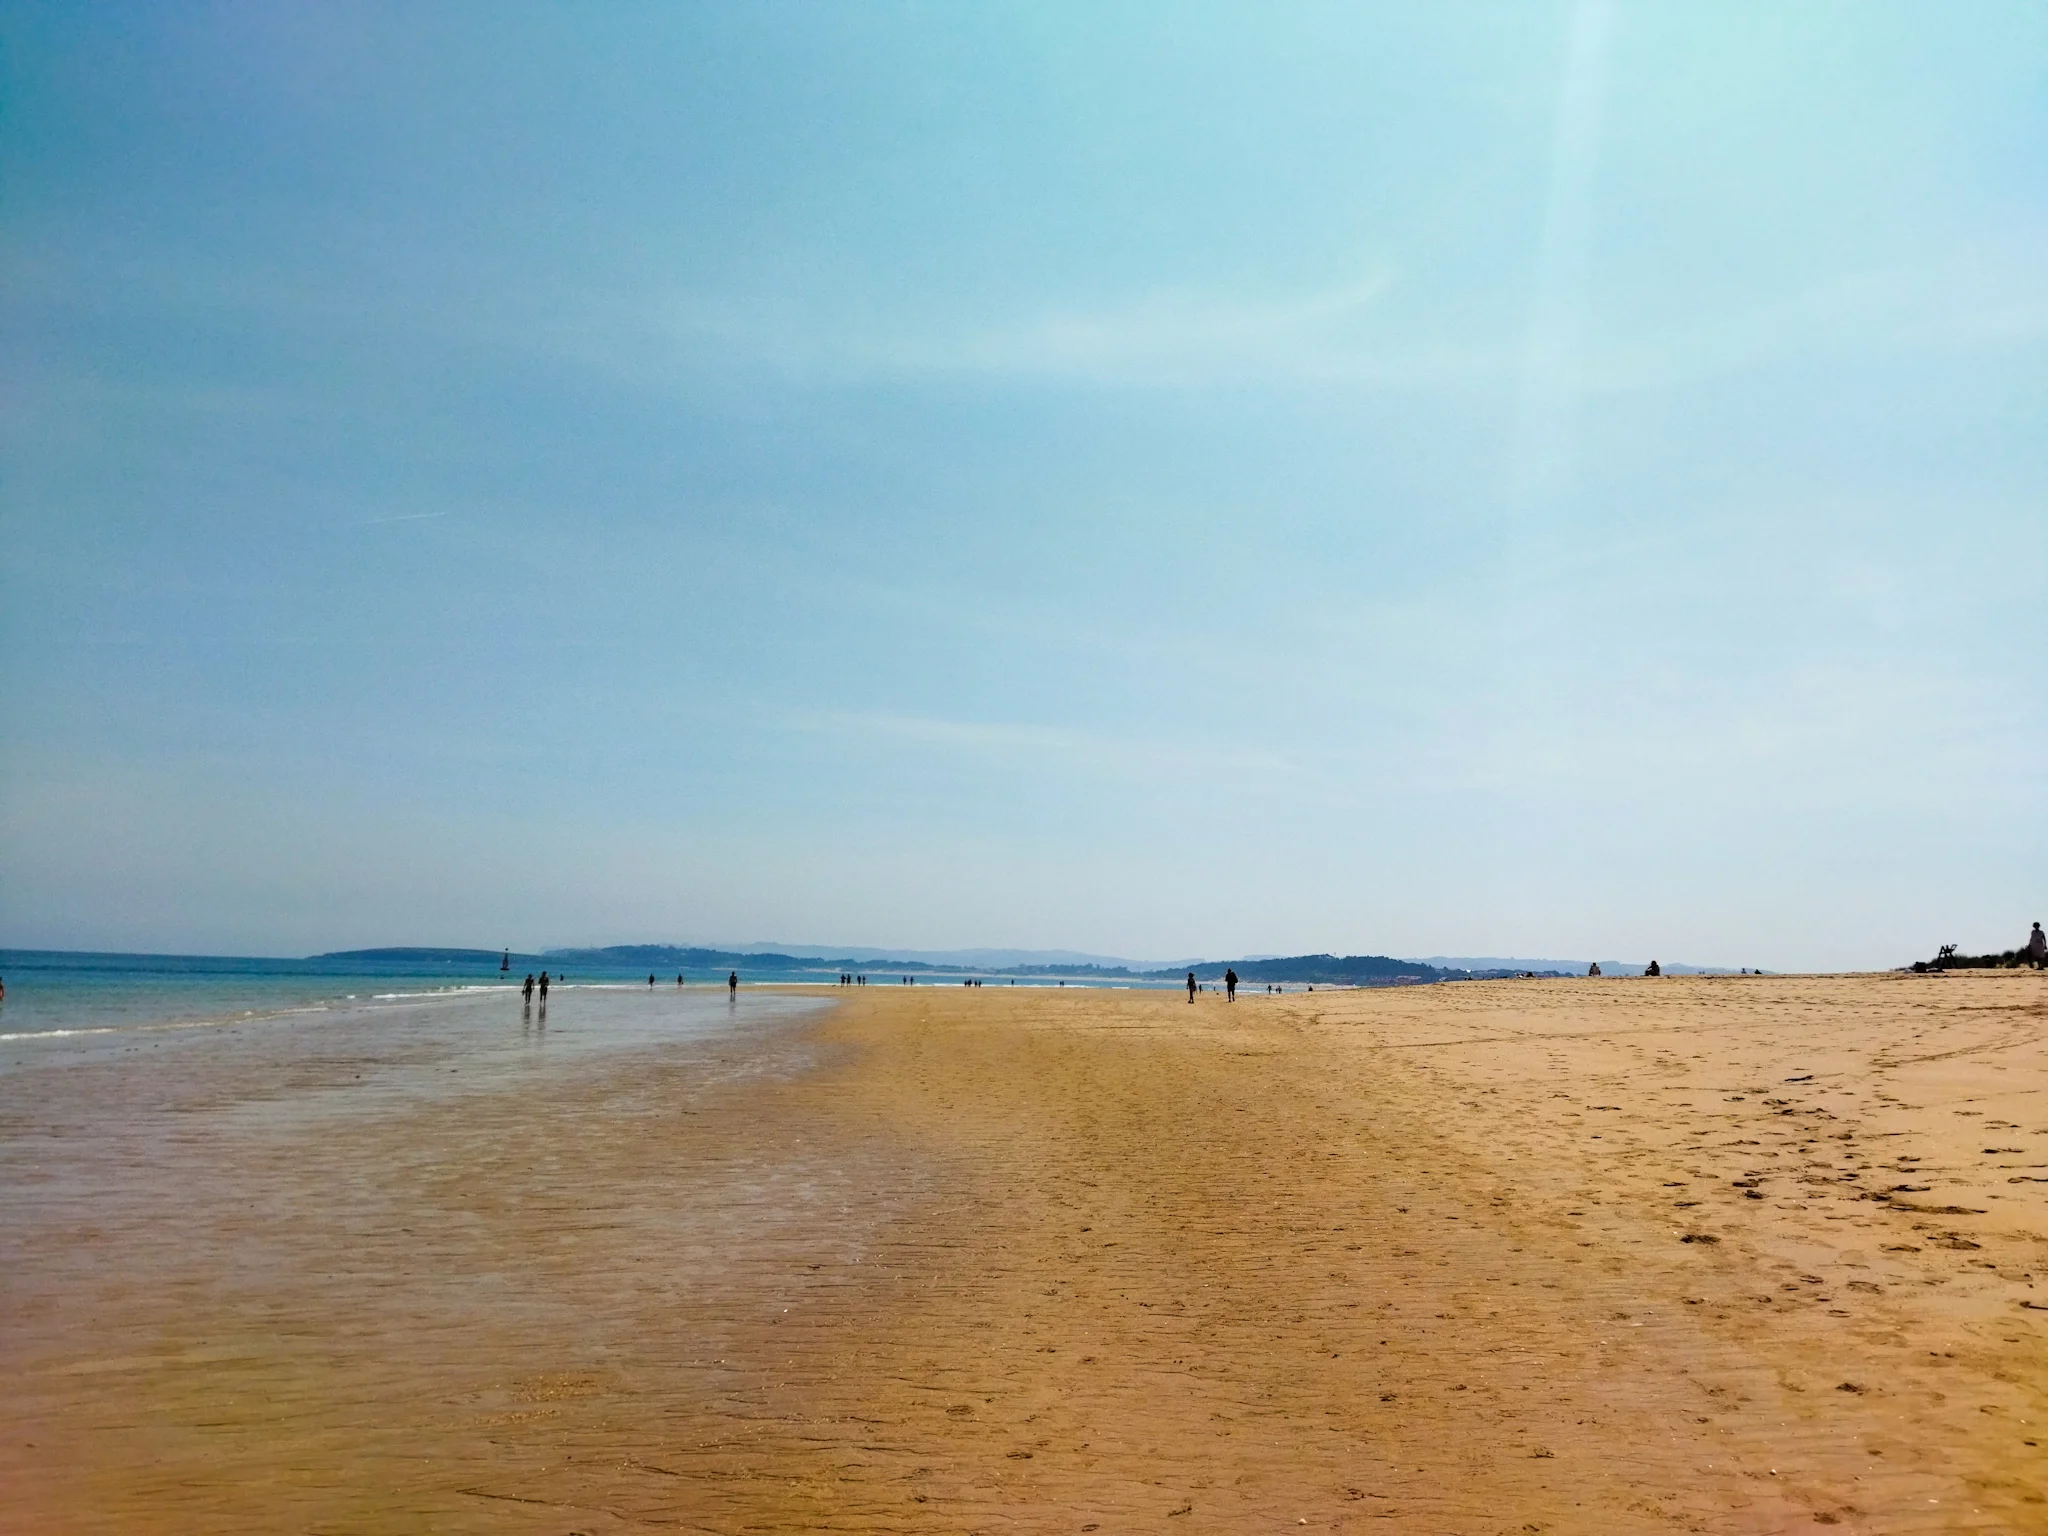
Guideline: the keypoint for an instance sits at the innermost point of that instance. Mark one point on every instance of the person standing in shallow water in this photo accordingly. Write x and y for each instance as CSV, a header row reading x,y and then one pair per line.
x,y
527,990
732,984
1230,984
543,989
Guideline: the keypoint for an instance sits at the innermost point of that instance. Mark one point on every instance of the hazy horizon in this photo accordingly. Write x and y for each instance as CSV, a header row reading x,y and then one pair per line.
x,y
1559,479
969,959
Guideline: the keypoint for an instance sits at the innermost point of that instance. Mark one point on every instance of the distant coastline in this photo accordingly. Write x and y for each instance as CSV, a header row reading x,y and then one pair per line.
x,y
1304,970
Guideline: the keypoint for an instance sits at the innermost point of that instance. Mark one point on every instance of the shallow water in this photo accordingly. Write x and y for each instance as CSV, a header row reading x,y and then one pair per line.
x,y
94,999
273,1251
73,1008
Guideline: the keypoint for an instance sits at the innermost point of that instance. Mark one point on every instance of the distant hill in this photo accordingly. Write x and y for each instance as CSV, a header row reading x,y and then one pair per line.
x,y
1508,965
681,957
409,955
1318,970
955,959
1331,970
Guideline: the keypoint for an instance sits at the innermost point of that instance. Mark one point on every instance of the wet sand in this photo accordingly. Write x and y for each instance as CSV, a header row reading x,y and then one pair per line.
x,y
979,1259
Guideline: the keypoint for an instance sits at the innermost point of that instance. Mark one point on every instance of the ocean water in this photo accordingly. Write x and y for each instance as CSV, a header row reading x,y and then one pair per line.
x,y
65,1005
68,994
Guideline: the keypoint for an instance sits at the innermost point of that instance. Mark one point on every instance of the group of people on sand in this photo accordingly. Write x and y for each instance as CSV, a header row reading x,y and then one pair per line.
x,y
1229,985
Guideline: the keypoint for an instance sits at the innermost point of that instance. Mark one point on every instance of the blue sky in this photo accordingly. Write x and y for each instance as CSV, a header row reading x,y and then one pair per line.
x,y
1156,480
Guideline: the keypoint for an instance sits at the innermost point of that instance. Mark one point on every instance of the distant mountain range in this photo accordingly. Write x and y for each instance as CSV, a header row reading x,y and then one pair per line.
x,y
1320,970
954,959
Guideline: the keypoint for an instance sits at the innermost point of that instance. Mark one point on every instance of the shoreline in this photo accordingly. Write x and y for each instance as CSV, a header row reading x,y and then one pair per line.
x,y
949,1258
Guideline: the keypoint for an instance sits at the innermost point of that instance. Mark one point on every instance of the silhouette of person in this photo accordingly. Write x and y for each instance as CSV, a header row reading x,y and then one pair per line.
x,y
2037,946
527,990
543,987
1191,986
1230,984
650,978
732,984
679,978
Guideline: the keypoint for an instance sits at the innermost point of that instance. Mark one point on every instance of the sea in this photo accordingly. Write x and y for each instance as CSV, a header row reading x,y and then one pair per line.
x,y
68,1004
64,1005
54,995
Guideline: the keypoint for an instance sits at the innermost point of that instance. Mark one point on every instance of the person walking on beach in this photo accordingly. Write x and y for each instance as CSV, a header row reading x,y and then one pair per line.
x,y
1230,984
650,980
732,984
543,989
527,991
1191,986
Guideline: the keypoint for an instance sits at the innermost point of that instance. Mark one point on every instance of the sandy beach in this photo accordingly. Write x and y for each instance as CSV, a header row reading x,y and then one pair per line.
x,y
1745,1254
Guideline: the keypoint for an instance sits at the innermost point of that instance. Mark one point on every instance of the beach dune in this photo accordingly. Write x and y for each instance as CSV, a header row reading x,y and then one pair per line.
x,y
1718,1254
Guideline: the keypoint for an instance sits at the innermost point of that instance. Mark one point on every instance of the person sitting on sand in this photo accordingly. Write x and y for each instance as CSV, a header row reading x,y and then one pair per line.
x,y
2037,947
1594,969
1230,984
1654,970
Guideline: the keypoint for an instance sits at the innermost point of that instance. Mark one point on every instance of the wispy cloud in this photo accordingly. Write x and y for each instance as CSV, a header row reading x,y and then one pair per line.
x,y
1168,337
1982,300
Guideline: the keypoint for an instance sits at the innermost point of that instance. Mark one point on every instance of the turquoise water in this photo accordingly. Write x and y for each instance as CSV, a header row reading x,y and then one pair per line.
x,y
64,1005
60,994
71,993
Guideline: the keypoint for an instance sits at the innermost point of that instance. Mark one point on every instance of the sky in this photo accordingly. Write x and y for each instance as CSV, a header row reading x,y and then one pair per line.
x,y
1159,481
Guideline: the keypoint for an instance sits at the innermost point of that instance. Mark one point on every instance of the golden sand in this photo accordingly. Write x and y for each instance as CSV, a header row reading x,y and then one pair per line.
x,y
957,1259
